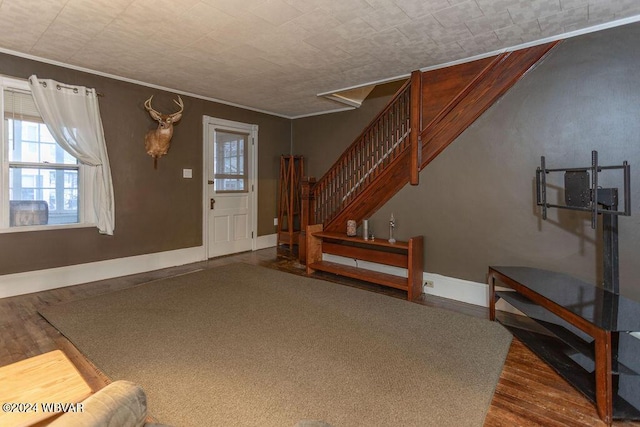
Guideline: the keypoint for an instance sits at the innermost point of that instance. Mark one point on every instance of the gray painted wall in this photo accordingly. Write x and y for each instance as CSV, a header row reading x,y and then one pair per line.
x,y
475,204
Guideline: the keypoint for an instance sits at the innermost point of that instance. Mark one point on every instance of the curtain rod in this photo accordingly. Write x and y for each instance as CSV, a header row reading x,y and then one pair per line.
x,y
75,89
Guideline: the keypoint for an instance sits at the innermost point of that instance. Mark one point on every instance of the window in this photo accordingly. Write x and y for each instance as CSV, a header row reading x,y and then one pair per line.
x,y
230,162
41,183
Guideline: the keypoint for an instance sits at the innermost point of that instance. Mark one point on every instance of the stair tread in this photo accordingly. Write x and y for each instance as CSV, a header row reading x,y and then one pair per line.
x,y
362,274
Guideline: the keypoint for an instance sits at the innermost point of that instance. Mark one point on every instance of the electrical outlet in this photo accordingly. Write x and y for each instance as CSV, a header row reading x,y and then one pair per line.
x,y
428,283
275,221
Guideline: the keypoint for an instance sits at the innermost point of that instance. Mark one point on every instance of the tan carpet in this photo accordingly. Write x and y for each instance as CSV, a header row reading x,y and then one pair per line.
x,y
243,345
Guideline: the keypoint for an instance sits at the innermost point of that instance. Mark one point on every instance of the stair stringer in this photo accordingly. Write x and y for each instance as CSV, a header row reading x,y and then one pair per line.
x,y
495,82
477,87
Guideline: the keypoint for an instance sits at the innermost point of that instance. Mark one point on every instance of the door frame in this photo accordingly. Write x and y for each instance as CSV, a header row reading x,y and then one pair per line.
x,y
252,130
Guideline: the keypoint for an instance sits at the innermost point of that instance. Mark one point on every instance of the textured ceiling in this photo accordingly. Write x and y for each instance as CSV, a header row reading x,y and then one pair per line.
x,y
278,55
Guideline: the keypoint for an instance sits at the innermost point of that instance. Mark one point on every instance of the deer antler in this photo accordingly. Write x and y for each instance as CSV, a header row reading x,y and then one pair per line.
x,y
147,104
180,104
155,114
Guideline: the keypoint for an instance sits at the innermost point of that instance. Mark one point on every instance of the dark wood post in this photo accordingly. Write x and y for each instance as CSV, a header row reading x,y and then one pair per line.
x,y
415,114
307,216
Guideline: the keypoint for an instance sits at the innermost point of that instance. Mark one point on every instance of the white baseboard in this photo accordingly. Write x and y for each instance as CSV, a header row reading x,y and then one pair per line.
x,y
268,241
457,289
443,286
42,280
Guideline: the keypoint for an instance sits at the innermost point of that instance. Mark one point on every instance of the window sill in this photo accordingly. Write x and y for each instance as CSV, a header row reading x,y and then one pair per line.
x,y
28,228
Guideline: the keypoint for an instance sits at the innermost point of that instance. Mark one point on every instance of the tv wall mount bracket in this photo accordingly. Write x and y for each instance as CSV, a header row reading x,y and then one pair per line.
x,y
583,193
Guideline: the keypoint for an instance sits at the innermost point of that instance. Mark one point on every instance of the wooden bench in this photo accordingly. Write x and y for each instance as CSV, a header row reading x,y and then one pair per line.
x,y
408,255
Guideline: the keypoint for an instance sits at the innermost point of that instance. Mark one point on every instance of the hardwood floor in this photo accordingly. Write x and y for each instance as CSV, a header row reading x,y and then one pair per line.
x,y
529,393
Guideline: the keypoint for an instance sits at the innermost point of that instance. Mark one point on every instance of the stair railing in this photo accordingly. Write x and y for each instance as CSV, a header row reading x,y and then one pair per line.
x,y
384,140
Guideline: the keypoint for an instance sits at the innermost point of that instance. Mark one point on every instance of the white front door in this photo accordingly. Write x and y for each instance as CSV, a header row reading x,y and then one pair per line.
x,y
230,220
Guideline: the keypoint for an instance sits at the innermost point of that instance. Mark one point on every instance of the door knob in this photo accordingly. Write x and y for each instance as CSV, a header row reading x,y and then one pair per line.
x,y
212,202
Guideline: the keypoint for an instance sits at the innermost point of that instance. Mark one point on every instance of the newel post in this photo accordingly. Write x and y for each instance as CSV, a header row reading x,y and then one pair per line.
x,y
307,215
414,118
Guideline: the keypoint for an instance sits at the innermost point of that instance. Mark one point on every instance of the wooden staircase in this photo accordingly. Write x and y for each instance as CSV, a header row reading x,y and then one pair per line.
x,y
426,115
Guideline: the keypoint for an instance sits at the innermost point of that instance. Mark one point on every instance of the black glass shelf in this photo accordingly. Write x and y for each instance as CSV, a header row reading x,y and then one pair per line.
x,y
605,310
580,345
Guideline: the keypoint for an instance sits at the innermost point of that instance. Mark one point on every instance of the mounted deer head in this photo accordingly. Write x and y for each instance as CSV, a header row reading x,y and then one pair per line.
x,y
157,141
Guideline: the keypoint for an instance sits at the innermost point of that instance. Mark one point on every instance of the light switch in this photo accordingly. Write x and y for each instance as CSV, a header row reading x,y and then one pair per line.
x,y
187,173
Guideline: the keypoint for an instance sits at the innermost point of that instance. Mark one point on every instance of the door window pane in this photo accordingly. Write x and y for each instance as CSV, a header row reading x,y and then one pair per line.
x,y
230,162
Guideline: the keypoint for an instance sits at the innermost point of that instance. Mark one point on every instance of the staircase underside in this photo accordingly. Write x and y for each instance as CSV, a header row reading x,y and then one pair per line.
x,y
451,99
480,93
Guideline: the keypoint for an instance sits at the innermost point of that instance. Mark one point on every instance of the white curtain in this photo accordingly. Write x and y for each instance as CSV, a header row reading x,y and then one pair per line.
x,y
73,117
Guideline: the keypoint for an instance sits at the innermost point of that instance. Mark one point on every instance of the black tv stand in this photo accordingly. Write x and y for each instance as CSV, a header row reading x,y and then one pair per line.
x,y
585,334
